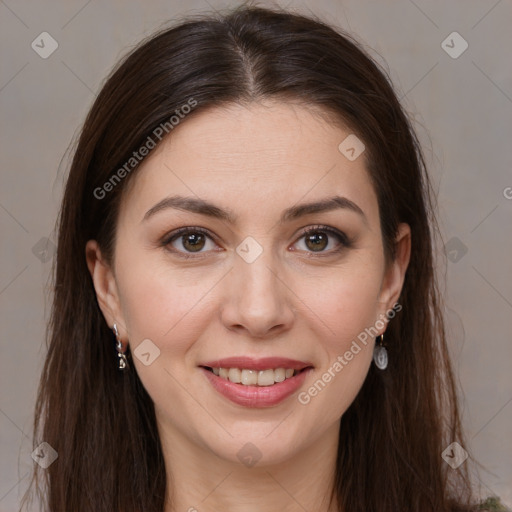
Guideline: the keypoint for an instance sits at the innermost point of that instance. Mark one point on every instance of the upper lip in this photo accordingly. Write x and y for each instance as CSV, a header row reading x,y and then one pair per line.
x,y
250,363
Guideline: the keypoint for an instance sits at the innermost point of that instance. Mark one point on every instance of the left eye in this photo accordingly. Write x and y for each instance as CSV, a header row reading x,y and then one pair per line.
x,y
318,238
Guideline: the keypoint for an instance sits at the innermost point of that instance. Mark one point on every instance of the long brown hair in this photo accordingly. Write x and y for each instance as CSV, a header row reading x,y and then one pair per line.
x,y
102,422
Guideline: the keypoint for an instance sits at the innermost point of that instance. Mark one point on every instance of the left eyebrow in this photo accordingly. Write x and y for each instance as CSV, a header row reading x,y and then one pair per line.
x,y
324,205
203,207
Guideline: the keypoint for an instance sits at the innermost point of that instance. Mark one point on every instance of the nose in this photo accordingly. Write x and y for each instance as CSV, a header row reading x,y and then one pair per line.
x,y
259,299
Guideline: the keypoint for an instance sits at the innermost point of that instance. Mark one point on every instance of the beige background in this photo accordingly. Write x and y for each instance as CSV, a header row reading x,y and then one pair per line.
x,y
463,110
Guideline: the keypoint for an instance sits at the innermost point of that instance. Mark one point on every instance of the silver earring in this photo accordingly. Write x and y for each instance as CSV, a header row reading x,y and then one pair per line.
x,y
123,361
380,354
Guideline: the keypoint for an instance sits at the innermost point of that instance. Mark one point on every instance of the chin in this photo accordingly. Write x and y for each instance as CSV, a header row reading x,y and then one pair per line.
x,y
257,444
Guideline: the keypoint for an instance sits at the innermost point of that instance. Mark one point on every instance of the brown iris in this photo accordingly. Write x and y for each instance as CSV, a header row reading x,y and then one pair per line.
x,y
318,240
193,242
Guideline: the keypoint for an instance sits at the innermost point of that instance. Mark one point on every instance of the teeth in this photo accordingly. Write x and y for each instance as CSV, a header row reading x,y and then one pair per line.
x,y
234,375
279,374
254,377
249,377
266,378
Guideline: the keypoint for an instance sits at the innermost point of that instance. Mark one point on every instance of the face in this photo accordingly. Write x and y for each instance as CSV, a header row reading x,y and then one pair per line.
x,y
255,278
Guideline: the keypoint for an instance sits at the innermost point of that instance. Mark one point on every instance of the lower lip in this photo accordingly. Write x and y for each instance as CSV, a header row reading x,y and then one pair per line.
x,y
256,396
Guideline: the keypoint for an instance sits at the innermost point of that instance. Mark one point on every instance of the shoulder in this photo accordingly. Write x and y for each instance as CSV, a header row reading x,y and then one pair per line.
x,y
491,504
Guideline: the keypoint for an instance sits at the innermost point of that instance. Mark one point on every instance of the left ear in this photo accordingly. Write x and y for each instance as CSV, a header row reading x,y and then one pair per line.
x,y
395,274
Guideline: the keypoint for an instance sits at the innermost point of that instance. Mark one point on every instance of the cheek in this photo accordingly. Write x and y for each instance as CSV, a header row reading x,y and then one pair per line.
x,y
347,306
347,355
160,303
345,302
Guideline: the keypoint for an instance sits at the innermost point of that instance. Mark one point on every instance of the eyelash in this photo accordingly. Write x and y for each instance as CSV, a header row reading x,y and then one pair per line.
x,y
344,242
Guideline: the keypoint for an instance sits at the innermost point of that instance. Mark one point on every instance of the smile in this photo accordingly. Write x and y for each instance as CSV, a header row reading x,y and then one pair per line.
x,y
256,382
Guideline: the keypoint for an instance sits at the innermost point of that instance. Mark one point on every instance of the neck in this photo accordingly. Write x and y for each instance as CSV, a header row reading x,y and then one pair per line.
x,y
200,481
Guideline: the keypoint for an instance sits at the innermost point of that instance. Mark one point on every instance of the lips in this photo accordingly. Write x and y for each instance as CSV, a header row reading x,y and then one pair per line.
x,y
257,395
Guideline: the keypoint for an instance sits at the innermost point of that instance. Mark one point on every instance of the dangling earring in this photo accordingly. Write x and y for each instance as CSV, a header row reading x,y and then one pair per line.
x,y
123,361
380,354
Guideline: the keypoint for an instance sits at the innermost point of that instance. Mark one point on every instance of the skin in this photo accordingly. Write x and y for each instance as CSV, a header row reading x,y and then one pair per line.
x,y
291,301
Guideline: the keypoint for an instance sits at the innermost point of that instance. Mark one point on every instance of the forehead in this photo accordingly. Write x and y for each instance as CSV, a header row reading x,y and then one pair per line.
x,y
250,158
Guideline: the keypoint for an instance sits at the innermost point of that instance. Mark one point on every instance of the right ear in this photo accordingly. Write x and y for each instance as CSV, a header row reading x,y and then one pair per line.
x,y
105,285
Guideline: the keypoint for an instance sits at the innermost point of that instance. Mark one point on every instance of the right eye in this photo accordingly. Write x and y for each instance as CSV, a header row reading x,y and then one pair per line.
x,y
191,239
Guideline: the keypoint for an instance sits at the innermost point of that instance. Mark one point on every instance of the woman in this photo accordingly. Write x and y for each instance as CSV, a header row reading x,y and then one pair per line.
x,y
249,223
